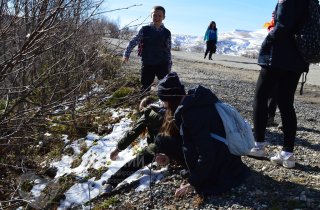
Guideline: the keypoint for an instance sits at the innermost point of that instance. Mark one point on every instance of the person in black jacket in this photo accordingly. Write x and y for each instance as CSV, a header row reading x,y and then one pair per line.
x,y
281,67
212,168
147,125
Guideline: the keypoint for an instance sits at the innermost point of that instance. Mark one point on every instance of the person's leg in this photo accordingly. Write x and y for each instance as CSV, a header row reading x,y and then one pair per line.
x,y
272,107
207,49
285,98
287,88
211,49
141,160
147,77
161,70
260,110
260,104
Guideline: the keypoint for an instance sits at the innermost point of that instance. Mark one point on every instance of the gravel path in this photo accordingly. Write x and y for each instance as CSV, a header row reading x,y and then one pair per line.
x,y
270,186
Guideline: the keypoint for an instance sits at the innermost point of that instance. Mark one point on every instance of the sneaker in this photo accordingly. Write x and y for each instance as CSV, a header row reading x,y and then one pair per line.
x,y
257,152
285,161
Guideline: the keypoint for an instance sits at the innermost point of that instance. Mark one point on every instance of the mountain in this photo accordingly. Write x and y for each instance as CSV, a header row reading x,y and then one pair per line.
x,y
236,42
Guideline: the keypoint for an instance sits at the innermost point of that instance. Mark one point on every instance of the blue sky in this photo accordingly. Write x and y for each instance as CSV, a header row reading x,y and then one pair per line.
x,y
192,17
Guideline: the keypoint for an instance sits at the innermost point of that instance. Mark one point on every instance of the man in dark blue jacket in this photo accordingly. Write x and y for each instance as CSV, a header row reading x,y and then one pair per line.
x,y
282,66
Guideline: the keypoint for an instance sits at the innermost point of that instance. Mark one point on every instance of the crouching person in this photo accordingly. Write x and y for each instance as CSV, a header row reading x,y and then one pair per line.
x,y
213,170
148,124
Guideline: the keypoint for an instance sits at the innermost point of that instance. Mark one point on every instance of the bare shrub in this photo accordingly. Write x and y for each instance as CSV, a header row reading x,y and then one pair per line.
x,y
49,49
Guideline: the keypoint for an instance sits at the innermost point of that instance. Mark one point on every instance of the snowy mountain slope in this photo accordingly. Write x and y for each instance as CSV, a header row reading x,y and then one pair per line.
x,y
237,42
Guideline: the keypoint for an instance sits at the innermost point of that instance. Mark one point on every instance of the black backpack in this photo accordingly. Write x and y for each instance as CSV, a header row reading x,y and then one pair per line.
x,y
308,36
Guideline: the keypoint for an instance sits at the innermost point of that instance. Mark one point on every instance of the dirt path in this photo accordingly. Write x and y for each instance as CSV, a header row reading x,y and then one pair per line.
x,y
270,186
196,70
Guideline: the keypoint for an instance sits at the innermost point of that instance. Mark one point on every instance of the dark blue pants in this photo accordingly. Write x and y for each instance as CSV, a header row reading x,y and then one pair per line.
x,y
284,83
148,73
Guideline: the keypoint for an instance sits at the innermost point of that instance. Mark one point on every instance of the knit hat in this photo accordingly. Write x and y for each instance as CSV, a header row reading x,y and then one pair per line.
x,y
170,88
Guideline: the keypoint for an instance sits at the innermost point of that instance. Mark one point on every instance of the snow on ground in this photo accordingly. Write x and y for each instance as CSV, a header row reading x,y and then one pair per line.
x,y
97,156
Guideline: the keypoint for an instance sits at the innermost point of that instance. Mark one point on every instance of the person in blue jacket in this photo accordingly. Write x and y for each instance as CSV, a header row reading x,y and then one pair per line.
x,y
211,38
281,67
213,170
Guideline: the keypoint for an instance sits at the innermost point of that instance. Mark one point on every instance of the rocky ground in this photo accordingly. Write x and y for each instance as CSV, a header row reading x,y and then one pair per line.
x,y
269,186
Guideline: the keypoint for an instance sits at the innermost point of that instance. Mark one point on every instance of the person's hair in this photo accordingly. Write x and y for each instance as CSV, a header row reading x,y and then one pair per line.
x,y
169,127
212,25
145,102
161,8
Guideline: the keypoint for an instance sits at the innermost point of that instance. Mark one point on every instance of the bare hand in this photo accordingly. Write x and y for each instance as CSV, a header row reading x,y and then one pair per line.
x,y
162,159
183,190
114,154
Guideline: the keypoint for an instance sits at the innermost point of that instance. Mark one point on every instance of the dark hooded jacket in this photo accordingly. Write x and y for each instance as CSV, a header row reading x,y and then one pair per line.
x,y
278,50
151,119
213,169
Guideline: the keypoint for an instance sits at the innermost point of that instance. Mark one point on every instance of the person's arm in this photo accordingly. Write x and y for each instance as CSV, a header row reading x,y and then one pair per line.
x,y
216,36
205,38
285,20
133,134
169,51
130,136
134,42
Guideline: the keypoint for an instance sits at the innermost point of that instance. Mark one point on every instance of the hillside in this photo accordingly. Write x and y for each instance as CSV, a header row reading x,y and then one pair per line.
x,y
75,178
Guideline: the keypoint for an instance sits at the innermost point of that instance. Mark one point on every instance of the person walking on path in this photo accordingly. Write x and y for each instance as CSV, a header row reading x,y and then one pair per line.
x,y
212,168
154,42
281,67
272,103
211,38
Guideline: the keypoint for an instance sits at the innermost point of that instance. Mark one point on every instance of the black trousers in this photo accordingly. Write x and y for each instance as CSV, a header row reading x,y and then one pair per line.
x,y
272,101
272,107
148,73
211,48
285,84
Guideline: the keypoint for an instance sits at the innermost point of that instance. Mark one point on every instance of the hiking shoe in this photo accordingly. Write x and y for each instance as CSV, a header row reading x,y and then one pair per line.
x,y
257,151
285,161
